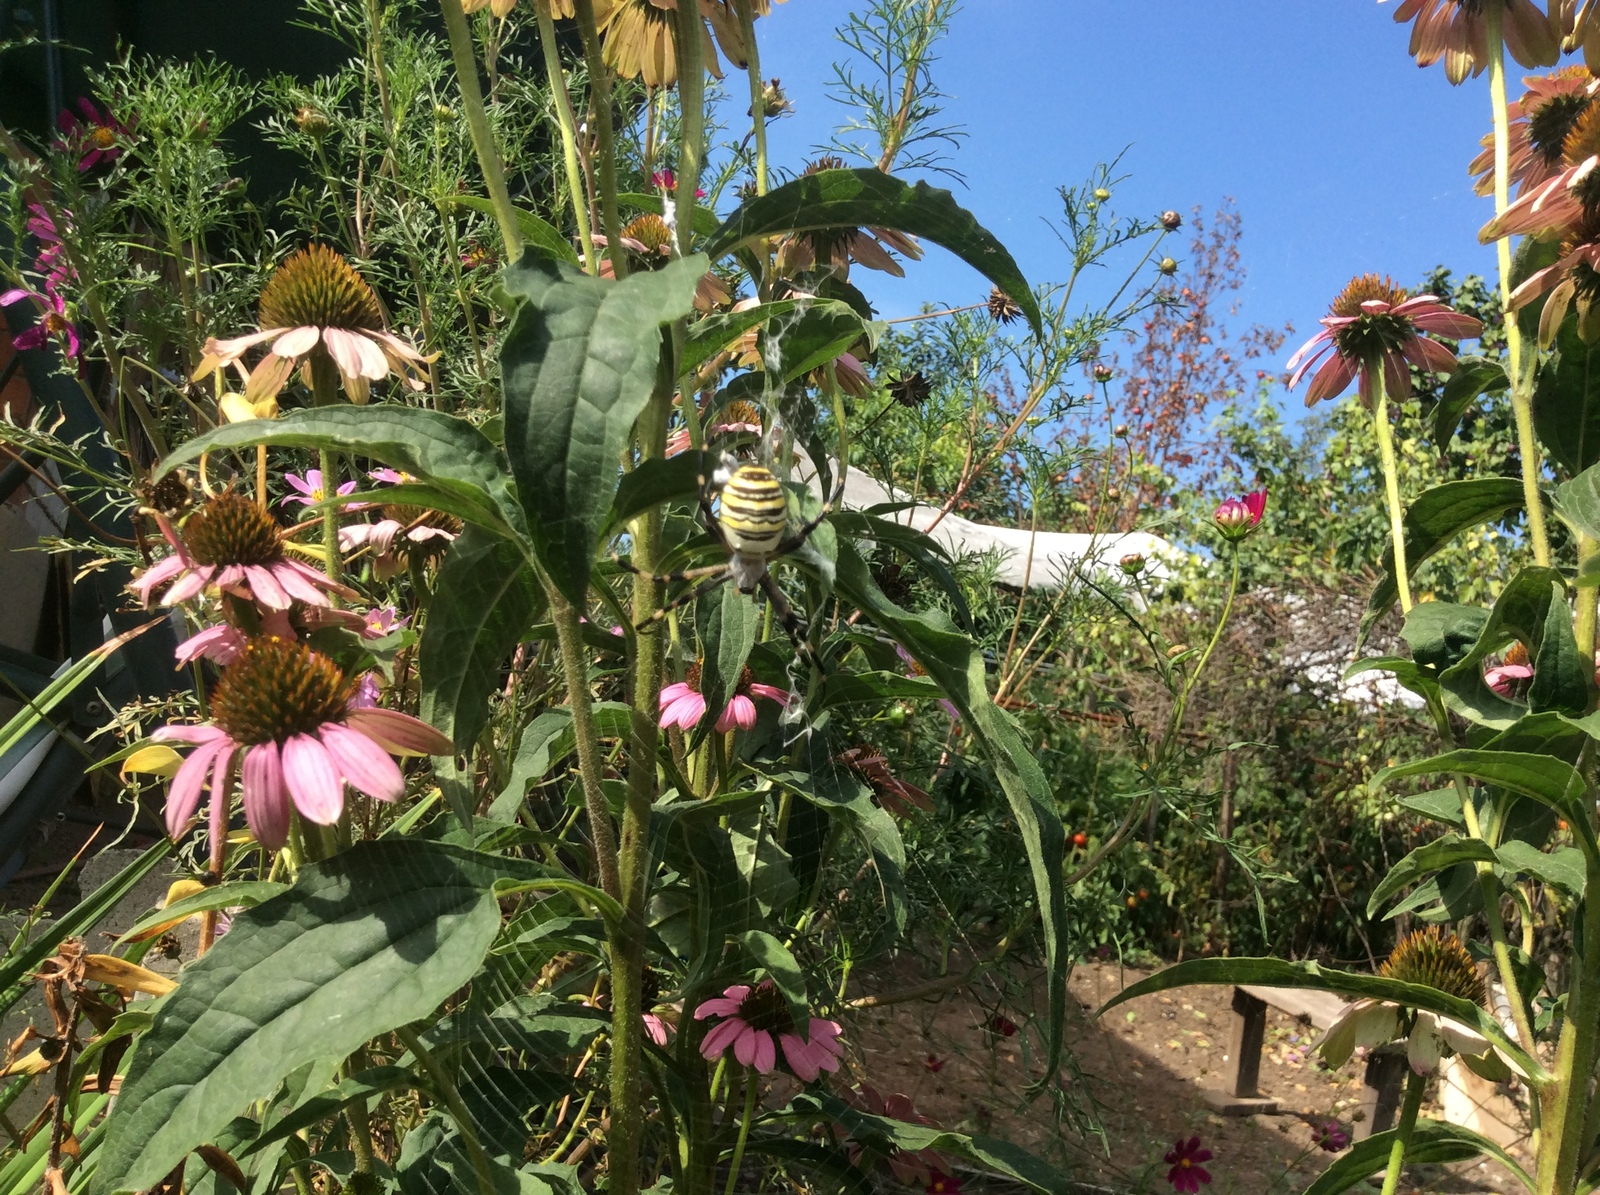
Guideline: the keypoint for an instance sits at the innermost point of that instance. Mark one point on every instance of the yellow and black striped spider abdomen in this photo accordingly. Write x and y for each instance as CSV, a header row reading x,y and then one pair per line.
x,y
754,512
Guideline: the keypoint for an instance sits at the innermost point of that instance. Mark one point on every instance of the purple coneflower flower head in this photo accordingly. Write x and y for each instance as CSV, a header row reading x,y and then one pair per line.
x,y
1330,1135
913,1168
896,796
1372,325
1539,124
1238,517
53,322
232,543
1456,30
1511,677
400,532
1187,1174
95,134
281,713
756,1024
308,490
221,643
683,706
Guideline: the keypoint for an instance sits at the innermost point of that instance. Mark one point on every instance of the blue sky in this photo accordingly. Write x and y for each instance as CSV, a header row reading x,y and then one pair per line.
x,y
1342,156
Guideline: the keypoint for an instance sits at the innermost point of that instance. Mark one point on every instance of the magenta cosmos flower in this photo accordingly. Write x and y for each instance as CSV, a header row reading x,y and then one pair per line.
x,y
1456,31
1187,1174
683,706
53,322
1372,325
1540,123
913,1168
1238,517
940,1183
667,180
95,134
756,1022
232,543
281,713
308,490
316,308
51,262
1330,1135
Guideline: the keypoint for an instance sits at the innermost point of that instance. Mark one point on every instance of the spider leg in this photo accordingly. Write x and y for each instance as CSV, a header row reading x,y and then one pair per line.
x,y
683,599
692,574
790,621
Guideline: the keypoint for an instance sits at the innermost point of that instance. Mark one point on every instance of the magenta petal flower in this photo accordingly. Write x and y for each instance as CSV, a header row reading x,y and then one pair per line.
x,y
92,133
53,322
1187,1174
309,489
1330,1135
684,707
1238,517
655,1029
283,708
753,1017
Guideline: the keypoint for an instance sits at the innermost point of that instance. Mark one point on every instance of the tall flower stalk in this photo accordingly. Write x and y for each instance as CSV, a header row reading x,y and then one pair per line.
x,y
1391,489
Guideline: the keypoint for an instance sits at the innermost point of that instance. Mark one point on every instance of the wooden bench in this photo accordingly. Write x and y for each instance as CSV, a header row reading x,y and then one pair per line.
x,y
1380,1097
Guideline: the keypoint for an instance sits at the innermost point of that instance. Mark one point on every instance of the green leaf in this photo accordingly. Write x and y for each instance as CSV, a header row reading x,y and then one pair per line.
x,y
1544,778
866,688
580,362
1531,609
820,331
1277,973
1432,521
1432,1142
650,485
241,893
1440,633
1562,867
373,938
1474,377
728,623
374,1081
705,220
957,666
547,740
484,600
774,958
852,198
1427,859
465,471
541,236
708,337
1442,805
1566,401
1578,502
1531,256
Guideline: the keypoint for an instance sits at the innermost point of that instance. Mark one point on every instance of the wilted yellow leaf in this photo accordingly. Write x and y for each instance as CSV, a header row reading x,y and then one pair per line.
x,y
154,760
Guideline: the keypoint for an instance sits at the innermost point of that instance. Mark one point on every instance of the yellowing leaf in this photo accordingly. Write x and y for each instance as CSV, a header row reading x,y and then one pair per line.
x,y
29,1064
154,760
108,968
236,408
180,890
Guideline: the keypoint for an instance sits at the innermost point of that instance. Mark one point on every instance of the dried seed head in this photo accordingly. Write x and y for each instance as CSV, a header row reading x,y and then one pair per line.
x,y
911,389
1003,307
1436,960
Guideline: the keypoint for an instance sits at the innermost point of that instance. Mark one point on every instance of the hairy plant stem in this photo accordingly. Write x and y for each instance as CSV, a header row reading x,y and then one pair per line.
x,y
494,176
1565,1102
692,116
758,107
1402,1137
557,76
1521,377
1391,482
325,393
1583,626
575,662
750,1087
604,135
444,1086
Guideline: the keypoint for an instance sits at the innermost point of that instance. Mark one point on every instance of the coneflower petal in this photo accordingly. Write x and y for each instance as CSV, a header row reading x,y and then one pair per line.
x,y
266,801
266,589
313,782
365,765
399,734
296,342
190,782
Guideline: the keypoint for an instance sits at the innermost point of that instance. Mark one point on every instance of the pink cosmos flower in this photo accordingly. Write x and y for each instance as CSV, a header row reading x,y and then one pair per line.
x,y
1540,122
95,133
683,706
753,1017
1187,1174
940,1183
53,322
389,538
1372,325
381,622
221,643
391,476
1238,517
281,713
1455,30
367,693
1330,1135
233,544
667,180
51,262
308,489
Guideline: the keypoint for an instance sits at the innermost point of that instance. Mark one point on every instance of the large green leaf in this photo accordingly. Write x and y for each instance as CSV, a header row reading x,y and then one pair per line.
x,y
708,337
816,334
1432,1142
1278,973
579,363
1566,401
852,198
376,937
1562,867
447,455
1578,502
1427,859
1433,520
485,599
956,664
653,483
728,623
1474,377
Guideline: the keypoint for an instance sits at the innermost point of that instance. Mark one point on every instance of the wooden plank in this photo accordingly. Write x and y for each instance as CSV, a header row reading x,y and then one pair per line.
x,y
1308,1004
1249,1029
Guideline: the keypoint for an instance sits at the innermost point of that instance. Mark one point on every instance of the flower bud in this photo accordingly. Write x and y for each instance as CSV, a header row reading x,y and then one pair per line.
x,y
1103,373
1171,221
1102,194
773,102
312,123
1168,266
1132,564
1176,650
1238,517
1120,430
443,113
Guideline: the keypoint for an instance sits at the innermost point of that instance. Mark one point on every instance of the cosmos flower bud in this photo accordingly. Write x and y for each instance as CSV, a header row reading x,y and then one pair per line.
x,y
312,123
1103,373
1132,564
1101,194
1168,266
1238,517
1120,430
1171,221
443,113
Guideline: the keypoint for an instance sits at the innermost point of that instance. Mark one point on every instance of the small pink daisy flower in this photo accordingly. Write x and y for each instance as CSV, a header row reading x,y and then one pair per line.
x,y
667,180
1187,1174
282,713
1372,325
95,133
309,490
53,322
756,1023
385,621
683,706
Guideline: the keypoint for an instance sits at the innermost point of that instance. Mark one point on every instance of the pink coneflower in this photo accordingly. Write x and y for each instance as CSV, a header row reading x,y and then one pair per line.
x,y
756,1022
316,307
401,532
1563,198
735,419
1540,123
281,711
831,250
1002,1025
1238,517
1572,282
97,134
221,643
650,242
1187,1174
1372,325
908,1167
683,706
232,543
1511,677
53,322
309,490
1455,30
896,796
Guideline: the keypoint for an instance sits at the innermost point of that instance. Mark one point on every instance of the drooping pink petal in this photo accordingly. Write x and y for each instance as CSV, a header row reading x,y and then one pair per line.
x,y
770,692
718,1006
184,797
399,734
294,583
720,1037
374,365
266,589
220,643
312,780
266,800
655,1029
364,765
747,1044
159,572
196,733
1332,379
296,342
766,1058
1323,339
341,346
740,712
191,584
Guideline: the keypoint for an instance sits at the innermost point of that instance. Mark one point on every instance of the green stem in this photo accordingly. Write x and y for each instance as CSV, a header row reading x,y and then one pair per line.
x,y
364,1181
1587,592
445,1088
1490,885
494,177
1402,1137
1566,1100
758,106
568,124
750,1086
1521,396
604,136
325,393
692,117
1391,481
575,662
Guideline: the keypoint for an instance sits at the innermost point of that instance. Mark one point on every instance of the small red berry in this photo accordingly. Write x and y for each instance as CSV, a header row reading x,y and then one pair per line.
x,y
1080,839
